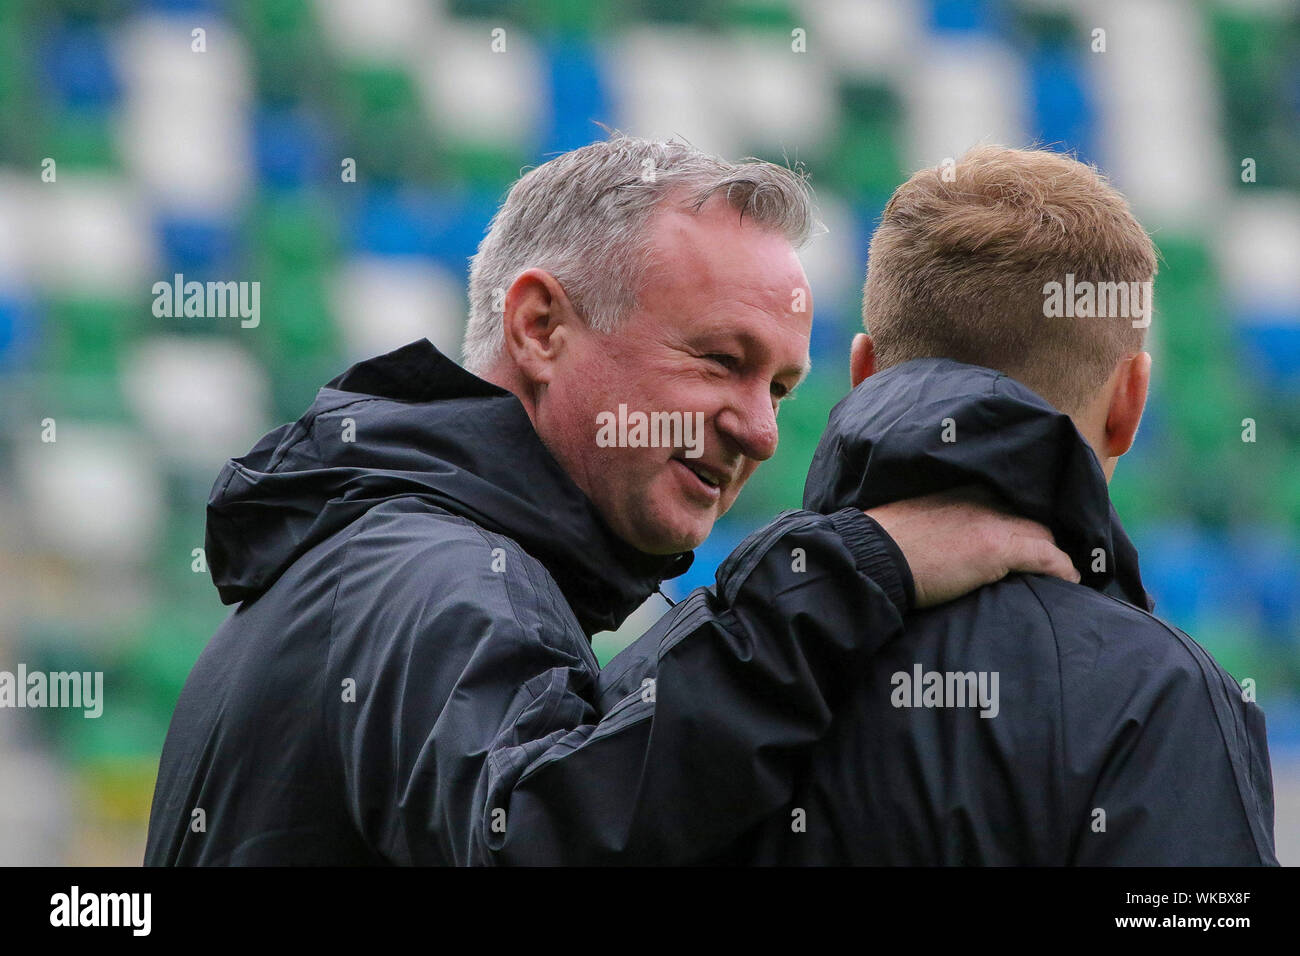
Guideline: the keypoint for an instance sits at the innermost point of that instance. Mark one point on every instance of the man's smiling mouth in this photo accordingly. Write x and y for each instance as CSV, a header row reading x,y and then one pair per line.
x,y
703,475
708,480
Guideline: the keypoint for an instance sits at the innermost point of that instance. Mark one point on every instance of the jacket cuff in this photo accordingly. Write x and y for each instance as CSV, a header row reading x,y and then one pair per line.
x,y
876,555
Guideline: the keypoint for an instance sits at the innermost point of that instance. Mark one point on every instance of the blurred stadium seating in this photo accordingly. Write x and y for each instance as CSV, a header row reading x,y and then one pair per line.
x,y
227,164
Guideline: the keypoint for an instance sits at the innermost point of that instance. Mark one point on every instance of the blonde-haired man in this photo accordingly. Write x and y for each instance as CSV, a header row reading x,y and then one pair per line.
x,y
1034,721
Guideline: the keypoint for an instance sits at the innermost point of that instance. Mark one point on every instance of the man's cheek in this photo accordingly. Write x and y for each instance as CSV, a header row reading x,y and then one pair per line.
x,y
637,476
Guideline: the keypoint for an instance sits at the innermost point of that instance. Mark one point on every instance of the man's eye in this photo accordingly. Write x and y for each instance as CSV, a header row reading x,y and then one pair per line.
x,y
779,391
723,359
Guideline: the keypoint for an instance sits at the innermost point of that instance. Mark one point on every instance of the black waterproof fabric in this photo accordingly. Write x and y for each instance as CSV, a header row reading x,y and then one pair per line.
x,y
1114,739
408,678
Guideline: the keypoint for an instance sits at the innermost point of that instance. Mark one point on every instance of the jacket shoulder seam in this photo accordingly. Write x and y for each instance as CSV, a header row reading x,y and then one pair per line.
x,y
1070,837
1209,669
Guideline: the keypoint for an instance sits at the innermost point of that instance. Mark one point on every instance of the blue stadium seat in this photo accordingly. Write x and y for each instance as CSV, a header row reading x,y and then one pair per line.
x,y
963,16
1272,344
1267,572
1186,570
289,148
577,96
1062,116
201,249
391,222
833,329
80,67
187,6
18,331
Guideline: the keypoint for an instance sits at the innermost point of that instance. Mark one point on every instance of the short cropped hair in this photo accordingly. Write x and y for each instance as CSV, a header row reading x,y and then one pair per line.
x,y
583,217
965,254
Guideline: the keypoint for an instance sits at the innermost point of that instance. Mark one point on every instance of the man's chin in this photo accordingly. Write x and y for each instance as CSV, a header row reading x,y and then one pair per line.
x,y
673,539
667,546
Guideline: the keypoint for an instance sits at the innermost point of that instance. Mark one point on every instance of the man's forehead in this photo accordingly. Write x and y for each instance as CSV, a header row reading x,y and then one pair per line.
x,y
716,278
760,268
711,230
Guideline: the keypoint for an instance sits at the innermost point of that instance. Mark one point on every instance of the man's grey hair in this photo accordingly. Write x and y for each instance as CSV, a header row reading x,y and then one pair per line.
x,y
583,218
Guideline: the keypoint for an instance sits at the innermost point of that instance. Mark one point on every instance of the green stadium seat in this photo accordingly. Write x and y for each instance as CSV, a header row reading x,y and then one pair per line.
x,y
87,335
548,17
297,318
770,16
489,167
293,231
81,140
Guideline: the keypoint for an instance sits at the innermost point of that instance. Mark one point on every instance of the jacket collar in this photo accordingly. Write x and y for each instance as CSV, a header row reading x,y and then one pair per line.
x,y
423,426
932,425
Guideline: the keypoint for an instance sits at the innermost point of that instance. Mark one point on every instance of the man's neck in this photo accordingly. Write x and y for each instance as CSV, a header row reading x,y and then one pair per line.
x,y
506,376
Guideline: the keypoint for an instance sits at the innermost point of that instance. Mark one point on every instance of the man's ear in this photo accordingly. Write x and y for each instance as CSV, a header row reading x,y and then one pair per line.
x,y
862,359
538,318
1126,403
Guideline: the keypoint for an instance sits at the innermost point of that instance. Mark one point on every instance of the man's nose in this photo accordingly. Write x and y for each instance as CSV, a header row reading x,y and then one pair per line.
x,y
750,422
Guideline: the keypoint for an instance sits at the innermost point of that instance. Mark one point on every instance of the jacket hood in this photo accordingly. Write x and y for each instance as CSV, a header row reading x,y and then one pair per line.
x,y
885,442
413,422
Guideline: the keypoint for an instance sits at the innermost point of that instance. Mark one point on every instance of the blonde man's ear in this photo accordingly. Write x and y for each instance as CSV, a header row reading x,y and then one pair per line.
x,y
1127,402
862,359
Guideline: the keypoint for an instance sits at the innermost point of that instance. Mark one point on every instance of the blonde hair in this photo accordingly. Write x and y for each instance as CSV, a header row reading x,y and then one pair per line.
x,y
960,264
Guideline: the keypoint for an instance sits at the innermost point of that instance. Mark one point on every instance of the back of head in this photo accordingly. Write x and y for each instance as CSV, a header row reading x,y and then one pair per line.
x,y
965,255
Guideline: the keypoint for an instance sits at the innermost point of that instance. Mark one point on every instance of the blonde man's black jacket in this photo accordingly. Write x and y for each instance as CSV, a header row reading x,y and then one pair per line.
x,y
1113,738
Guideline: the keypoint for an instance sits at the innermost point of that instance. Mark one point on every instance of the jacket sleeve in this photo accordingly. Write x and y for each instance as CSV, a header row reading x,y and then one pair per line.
x,y
1186,780
746,679
522,766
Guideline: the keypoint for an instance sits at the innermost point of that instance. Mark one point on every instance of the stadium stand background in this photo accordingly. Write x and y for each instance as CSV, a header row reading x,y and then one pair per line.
x,y
226,165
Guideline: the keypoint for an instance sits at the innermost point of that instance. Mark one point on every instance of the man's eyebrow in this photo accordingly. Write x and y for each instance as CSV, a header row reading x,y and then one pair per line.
x,y
800,371
750,342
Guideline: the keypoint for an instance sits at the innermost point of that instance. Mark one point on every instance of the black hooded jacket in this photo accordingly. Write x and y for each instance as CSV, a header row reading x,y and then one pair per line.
x,y
1113,738
408,676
